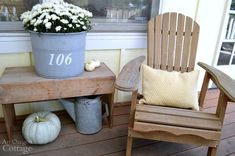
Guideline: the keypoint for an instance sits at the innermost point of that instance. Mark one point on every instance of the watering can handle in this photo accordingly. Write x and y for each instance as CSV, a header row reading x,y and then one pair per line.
x,y
1,90
106,114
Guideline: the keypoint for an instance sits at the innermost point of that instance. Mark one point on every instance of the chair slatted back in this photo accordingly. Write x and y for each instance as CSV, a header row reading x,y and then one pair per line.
x,y
172,42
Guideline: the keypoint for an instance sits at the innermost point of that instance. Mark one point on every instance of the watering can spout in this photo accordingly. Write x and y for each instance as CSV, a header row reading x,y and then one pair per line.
x,y
69,107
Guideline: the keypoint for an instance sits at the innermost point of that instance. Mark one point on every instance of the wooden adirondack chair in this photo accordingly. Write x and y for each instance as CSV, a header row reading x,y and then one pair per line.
x,y
168,40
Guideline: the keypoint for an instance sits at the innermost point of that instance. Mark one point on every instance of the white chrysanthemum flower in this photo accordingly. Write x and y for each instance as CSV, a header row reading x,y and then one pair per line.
x,y
66,14
33,21
48,17
43,15
64,21
81,22
58,28
54,1
54,17
35,13
45,21
89,14
38,22
73,17
58,12
74,21
36,7
46,10
48,25
81,15
47,5
25,21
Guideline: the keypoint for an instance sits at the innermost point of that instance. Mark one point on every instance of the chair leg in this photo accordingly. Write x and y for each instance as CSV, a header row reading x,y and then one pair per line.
x,y
129,146
212,151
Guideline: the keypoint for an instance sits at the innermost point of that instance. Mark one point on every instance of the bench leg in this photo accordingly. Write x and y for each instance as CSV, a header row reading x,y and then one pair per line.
x,y
108,98
10,118
212,151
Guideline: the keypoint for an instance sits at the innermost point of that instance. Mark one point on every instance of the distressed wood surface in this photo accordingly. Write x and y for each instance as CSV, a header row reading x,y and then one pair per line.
x,y
148,127
179,42
170,57
156,41
176,112
150,56
225,83
21,84
128,78
164,40
204,88
178,120
172,42
194,42
10,118
186,44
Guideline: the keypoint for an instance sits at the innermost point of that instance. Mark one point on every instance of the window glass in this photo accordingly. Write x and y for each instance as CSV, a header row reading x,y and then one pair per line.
x,y
226,52
230,32
137,11
104,11
224,58
233,61
232,7
227,46
109,15
10,10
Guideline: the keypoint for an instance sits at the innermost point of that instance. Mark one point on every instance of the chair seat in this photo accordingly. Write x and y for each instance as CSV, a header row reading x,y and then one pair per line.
x,y
149,118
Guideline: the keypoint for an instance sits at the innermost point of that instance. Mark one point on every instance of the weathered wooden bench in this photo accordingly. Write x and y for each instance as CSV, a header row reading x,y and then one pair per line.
x,y
22,85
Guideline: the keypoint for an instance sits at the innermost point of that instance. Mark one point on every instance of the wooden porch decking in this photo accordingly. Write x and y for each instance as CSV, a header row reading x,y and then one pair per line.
x,y
112,142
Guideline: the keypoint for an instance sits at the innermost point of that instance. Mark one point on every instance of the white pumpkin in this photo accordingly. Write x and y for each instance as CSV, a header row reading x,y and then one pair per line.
x,y
41,128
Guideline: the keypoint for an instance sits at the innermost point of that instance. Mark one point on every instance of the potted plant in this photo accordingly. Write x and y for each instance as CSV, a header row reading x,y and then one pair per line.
x,y
58,34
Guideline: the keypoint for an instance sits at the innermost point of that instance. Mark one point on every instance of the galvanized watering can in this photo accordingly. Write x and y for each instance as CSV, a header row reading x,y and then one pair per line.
x,y
86,113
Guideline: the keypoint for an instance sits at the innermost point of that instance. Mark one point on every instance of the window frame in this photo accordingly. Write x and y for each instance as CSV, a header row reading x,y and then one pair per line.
x,y
20,42
17,26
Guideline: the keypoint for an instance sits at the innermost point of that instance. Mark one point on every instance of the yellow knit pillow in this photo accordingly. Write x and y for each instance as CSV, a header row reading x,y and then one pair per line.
x,y
169,88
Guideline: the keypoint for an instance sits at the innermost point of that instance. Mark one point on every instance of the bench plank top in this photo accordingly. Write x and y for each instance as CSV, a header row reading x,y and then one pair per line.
x,y
22,84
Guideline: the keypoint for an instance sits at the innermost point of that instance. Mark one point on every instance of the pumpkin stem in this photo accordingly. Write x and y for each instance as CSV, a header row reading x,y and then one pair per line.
x,y
39,119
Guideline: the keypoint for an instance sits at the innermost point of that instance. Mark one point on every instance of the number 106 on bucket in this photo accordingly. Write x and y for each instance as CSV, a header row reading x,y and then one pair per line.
x,y
60,59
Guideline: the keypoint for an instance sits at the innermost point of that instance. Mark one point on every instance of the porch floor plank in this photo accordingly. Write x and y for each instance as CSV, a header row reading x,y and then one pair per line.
x,y
112,142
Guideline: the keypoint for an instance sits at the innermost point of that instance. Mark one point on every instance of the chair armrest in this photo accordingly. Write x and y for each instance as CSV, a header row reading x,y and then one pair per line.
x,y
225,83
128,78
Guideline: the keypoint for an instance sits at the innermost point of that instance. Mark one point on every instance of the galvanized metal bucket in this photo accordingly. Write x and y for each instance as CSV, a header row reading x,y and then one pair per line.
x,y
88,114
58,55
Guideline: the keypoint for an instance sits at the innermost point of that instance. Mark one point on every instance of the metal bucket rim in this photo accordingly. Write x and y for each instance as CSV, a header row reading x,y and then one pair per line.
x,y
57,34
88,99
